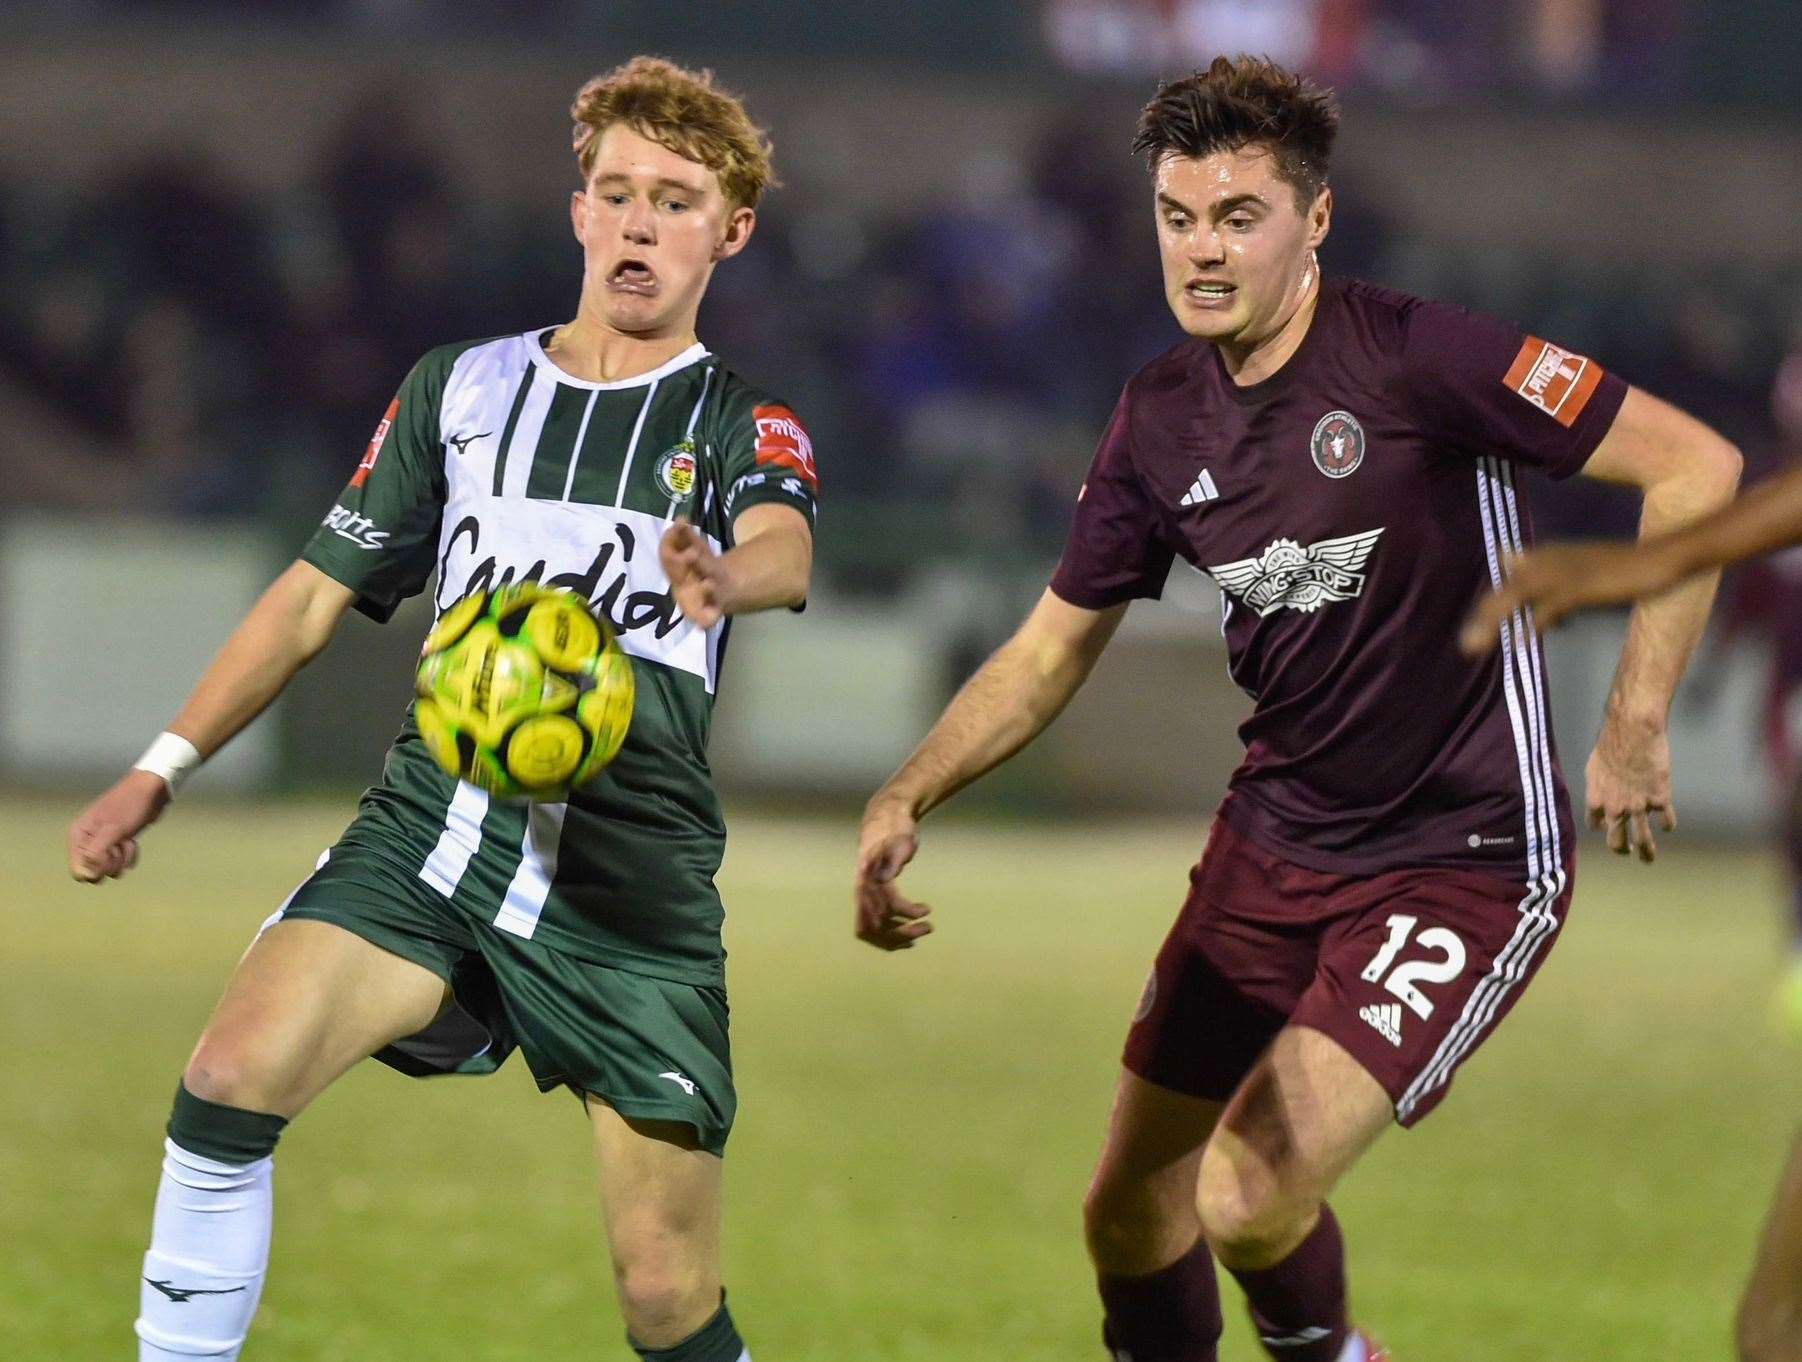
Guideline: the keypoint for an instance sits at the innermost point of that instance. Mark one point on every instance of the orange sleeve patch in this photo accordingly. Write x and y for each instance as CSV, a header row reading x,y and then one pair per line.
x,y
376,441
1556,381
783,442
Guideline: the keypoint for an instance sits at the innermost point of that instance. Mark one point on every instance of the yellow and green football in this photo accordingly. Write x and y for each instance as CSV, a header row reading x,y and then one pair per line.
x,y
523,692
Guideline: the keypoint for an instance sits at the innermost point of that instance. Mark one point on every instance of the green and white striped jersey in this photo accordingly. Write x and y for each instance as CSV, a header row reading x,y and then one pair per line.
x,y
492,465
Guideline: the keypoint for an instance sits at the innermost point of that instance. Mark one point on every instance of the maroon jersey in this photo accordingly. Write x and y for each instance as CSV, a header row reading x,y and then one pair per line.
x,y
1349,508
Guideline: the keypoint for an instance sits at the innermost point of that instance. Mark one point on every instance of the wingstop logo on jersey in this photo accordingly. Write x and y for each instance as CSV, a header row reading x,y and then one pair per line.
x,y
359,529
1286,574
376,441
1556,381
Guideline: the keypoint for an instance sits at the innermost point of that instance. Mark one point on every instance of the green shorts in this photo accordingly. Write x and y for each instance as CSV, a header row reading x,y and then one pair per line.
x,y
650,1048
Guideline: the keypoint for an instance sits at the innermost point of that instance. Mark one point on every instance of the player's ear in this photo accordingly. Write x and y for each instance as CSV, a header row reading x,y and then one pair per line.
x,y
1320,217
578,214
739,226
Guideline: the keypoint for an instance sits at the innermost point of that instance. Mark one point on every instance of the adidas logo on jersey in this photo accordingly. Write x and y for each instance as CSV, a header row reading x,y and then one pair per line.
x,y
1386,1019
1202,490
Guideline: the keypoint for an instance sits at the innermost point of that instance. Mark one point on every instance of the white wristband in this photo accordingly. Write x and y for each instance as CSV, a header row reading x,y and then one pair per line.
x,y
172,757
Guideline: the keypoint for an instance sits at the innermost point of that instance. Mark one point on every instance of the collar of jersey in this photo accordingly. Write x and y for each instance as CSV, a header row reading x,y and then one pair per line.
x,y
535,347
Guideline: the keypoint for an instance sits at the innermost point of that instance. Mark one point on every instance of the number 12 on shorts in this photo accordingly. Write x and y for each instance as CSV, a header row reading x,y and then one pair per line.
x,y
1404,977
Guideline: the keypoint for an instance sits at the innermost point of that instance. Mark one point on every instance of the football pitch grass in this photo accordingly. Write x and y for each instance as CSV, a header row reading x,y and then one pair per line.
x,y
915,1131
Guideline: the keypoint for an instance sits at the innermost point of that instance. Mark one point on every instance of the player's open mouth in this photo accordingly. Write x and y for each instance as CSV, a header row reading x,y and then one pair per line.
x,y
632,276
1208,292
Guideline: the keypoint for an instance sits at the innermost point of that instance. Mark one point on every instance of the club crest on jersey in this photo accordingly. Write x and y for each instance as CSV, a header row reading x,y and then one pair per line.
x,y
1337,444
1303,579
675,471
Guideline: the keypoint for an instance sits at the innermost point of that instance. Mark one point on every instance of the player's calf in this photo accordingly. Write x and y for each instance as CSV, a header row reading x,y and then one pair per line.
x,y
1152,1267
1300,1119
307,1001
209,1245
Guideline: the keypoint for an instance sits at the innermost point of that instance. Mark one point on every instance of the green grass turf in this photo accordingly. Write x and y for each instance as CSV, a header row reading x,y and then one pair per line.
x,y
915,1130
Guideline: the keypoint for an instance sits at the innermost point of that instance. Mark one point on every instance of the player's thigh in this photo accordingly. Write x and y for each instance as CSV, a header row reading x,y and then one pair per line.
x,y
308,1000
660,1196
1139,1214
1422,966
1303,1116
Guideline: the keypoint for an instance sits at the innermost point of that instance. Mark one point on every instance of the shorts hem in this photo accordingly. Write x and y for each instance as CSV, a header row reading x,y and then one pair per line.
x,y
383,937
1394,1097
709,1136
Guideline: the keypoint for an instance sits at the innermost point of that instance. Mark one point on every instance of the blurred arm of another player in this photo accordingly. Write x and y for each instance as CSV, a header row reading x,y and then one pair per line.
x,y
769,565
1561,579
292,622
1686,472
1009,702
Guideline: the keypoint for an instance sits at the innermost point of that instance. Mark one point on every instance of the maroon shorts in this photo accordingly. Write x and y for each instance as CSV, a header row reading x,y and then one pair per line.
x,y
1408,970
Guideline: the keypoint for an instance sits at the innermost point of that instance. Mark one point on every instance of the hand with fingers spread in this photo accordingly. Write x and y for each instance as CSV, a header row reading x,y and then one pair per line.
x,y
103,841
697,577
886,918
1629,780
1555,581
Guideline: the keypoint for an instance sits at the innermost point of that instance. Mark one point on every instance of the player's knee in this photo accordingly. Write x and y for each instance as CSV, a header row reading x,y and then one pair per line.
x,y
664,1297
1124,1225
231,1074
1246,1218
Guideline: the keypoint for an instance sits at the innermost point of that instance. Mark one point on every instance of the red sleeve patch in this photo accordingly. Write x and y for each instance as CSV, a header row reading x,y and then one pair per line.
x,y
376,441
1556,381
782,442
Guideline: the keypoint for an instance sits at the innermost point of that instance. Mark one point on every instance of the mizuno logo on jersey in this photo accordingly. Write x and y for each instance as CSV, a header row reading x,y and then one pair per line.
x,y
682,1081
1202,490
359,529
1304,579
1386,1020
462,442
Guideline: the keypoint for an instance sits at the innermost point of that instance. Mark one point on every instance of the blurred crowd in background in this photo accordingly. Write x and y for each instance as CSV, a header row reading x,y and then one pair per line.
x,y
203,349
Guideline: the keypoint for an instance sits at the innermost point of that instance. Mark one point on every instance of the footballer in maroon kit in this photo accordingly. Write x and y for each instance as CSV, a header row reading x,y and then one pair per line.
x,y
1393,858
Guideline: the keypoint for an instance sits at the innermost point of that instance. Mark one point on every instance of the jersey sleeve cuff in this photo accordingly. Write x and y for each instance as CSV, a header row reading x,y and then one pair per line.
x,y
378,608
1090,598
756,494
1592,427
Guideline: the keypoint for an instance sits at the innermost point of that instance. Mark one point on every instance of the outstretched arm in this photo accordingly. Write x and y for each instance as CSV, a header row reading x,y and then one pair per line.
x,y
770,565
1561,579
295,618
1009,702
1686,472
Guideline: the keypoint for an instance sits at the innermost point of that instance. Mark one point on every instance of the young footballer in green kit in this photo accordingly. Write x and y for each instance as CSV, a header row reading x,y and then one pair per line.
x,y
616,456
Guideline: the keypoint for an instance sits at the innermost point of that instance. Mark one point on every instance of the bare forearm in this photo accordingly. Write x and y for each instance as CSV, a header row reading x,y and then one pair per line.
x,y
1766,518
1663,631
1008,703
767,572
284,630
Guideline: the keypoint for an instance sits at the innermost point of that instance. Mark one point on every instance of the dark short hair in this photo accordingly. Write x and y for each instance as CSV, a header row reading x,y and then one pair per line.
x,y
1240,102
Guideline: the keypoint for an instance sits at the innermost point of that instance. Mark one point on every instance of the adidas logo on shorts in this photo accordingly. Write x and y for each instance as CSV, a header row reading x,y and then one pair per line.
x,y
1386,1019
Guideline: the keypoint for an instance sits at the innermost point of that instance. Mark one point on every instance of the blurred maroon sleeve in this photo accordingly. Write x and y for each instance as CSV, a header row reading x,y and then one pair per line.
x,y
1484,387
1117,550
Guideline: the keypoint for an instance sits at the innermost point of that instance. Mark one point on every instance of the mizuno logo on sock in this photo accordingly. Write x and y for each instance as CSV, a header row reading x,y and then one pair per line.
x,y
1386,1018
180,1294
1301,1339
1202,490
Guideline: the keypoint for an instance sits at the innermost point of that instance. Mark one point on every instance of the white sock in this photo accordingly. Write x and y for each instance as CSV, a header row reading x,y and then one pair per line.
x,y
1354,1350
209,1249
